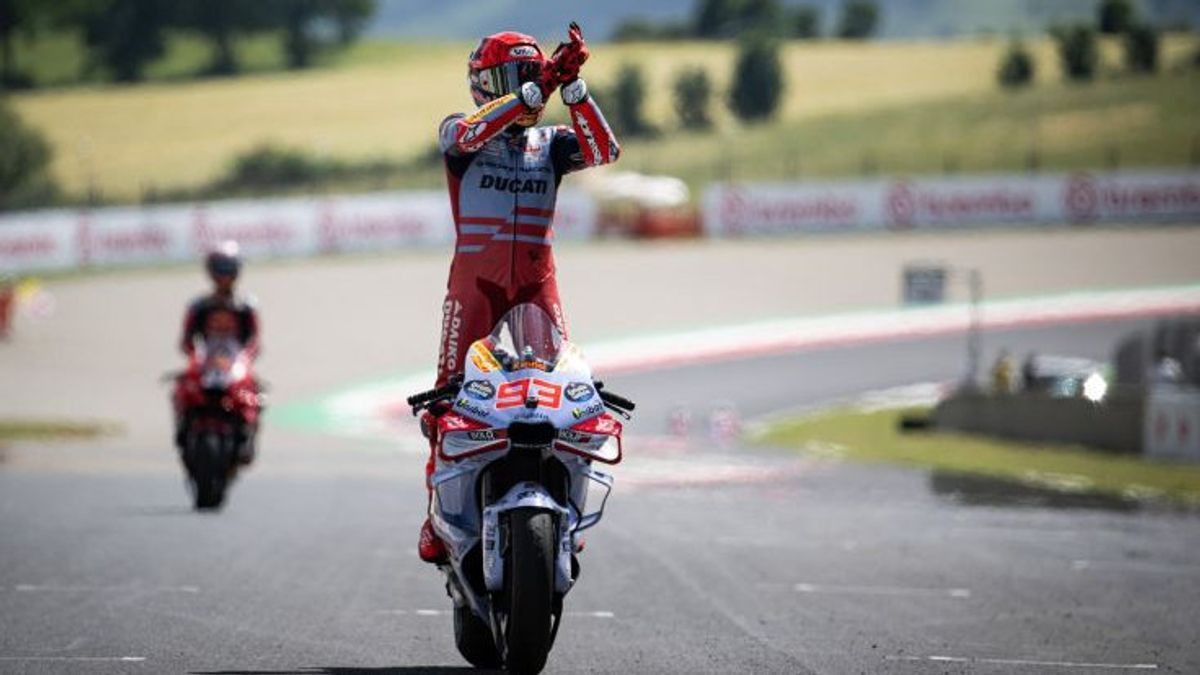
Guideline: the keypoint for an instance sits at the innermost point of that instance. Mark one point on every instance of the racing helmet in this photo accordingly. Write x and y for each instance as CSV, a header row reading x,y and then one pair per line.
x,y
501,64
224,260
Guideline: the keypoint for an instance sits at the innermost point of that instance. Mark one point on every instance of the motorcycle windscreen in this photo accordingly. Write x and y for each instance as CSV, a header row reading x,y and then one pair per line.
x,y
526,337
221,366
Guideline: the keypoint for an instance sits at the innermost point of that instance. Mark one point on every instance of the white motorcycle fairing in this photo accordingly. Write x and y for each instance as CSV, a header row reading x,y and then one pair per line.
x,y
510,383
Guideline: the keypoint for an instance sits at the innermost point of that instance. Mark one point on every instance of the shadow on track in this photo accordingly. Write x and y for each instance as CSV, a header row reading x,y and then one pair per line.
x,y
330,670
975,490
180,510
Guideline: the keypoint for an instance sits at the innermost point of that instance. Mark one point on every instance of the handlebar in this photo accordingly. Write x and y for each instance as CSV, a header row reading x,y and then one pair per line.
x,y
620,403
427,398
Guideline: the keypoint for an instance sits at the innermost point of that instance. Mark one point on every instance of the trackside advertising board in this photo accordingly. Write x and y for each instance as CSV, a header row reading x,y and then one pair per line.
x,y
294,227
899,204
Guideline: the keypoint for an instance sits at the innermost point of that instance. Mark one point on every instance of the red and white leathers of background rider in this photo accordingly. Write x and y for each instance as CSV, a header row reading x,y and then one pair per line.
x,y
503,189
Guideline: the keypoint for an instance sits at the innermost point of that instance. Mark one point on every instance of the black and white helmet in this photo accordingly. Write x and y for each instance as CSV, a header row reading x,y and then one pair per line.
x,y
224,260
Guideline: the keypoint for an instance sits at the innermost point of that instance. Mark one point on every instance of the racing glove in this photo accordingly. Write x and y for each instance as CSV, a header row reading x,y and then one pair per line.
x,y
564,65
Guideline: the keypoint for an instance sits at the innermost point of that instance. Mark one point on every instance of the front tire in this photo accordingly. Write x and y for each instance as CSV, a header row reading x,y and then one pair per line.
x,y
529,573
474,640
210,471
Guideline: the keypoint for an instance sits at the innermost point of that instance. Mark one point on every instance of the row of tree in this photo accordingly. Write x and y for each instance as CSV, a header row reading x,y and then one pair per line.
x,y
122,37
724,19
755,93
1078,51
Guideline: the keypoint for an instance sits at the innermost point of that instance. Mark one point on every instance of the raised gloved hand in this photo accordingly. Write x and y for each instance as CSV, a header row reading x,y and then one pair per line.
x,y
564,65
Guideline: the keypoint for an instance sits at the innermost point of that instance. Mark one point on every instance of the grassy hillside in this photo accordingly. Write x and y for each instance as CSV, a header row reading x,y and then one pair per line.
x,y
904,104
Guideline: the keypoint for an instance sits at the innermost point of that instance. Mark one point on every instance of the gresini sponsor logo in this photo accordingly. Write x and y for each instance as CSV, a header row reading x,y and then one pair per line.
x,y
523,52
910,203
578,392
514,185
742,211
480,390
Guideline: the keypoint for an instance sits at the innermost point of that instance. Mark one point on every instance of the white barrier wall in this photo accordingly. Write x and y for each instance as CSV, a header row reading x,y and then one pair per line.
x,y
945,202
1172,424
65,239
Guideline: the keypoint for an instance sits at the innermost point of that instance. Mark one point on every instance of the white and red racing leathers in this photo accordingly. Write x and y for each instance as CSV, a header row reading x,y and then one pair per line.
x,y
503,181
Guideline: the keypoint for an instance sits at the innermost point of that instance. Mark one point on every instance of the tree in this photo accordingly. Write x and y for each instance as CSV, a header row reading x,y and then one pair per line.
x,y
221,21
714,18
692,94
635,29
1077,51
629,95
757,80
351,16
859,20
121,35
1016,69
759,15
15,16
806,23
1115,16
299,19
1141,48
24,163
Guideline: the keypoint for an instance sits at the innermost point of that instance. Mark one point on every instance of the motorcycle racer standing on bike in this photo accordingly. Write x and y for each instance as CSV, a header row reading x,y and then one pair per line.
x,y
503,173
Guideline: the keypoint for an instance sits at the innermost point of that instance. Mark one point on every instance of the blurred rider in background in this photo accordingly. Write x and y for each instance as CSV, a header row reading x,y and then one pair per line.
x,y
503,173
220,313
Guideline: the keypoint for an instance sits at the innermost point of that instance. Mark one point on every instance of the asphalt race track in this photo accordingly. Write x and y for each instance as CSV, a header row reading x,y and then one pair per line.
x,y
711,558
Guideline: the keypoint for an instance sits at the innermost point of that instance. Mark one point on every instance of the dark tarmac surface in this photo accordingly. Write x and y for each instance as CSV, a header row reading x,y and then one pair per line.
x,y
819,567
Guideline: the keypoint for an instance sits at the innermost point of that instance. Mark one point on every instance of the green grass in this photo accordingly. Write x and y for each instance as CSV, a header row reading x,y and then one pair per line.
x,y
1134,121
58,59
895,107
52,430
875,437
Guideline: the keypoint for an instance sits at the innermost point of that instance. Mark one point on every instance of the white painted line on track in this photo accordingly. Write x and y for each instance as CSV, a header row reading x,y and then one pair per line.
x,y
1145,566
110,659
50,588
1026,662
959,593
372,410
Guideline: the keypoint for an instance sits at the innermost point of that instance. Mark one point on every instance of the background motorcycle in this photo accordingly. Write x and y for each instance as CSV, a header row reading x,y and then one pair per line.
x,y
514,465
219,399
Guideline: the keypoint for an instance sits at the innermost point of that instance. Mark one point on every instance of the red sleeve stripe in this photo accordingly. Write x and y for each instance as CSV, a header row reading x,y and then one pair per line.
x,y
596,140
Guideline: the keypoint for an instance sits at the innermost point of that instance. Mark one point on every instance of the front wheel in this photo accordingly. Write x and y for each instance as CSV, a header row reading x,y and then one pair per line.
x,y
529,573
210,470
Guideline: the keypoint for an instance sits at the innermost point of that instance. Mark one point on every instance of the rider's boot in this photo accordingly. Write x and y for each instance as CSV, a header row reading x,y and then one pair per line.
x,y
430,547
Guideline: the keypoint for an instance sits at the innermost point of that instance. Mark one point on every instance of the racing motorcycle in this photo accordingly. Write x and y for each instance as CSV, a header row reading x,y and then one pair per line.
x,y
220,401
516,456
